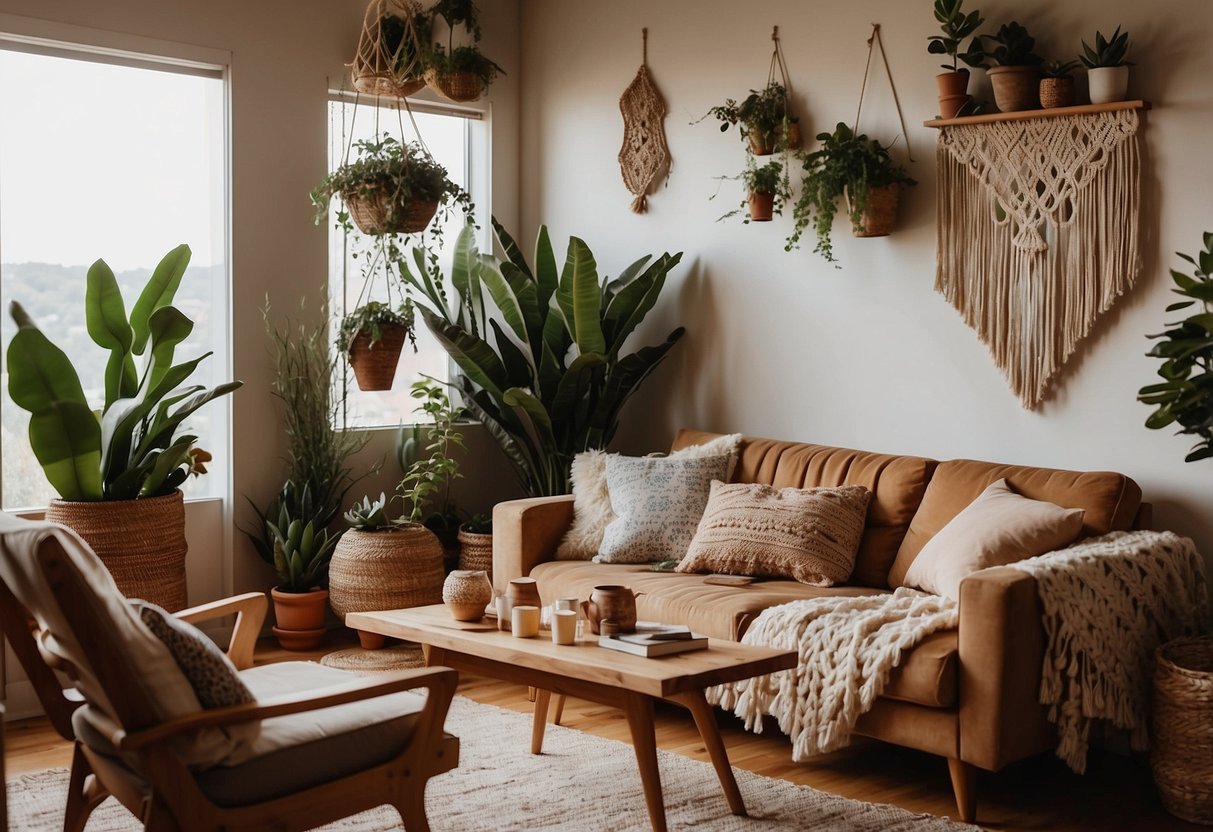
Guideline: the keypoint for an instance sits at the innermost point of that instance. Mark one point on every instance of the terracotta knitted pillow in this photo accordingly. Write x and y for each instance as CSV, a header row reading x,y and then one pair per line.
x,y
808,534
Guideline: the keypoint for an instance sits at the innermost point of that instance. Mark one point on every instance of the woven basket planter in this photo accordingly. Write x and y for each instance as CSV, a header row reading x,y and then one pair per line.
x,y
387,85
476,552
1056,92
141,543
374,363
387,570
1182,753
379,212
1015,87
376,68
459,86
880,214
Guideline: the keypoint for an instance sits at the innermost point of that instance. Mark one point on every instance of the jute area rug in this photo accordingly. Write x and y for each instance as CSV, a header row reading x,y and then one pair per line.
x,y
580,782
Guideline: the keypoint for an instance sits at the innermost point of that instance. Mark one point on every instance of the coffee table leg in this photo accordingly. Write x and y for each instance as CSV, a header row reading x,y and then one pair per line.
x,y
705,721
639,710
542,697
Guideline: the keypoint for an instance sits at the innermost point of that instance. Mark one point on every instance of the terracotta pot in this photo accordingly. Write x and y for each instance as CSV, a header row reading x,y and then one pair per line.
x,y
299,617
1015,87
791,138
952,83
611,603
761,144
1108,83
466,593
374,364
1056,92
141,542
523,592
762,206
951,105
880,214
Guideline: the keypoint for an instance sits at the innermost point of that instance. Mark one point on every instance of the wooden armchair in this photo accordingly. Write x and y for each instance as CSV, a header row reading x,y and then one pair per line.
x,y
281,762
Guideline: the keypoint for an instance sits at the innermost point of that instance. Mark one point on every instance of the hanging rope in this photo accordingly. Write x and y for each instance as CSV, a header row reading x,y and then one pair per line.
x,y
644,154
873,41
778,62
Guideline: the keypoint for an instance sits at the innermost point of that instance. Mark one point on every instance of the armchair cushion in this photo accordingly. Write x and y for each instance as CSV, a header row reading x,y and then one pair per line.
x,y
210,673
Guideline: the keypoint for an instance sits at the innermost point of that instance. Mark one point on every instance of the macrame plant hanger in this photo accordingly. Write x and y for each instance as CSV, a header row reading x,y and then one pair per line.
x,y
874,41
645,156
779,64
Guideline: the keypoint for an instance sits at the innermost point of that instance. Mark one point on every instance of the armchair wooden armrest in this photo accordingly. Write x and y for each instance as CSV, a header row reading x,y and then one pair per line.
x,y
249,609
439,681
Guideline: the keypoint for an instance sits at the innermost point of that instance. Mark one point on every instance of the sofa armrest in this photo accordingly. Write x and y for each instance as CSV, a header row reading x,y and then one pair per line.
x,y
526,533
1002,643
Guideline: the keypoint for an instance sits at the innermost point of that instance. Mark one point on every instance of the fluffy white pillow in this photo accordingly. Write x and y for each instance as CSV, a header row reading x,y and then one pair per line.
x,y
592,502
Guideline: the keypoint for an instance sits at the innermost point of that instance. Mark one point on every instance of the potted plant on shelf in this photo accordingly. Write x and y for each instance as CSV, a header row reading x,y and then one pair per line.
x,y
389,188
1107,69
1057,85
857,169
459,73
386,563
1014,69
117,467
764,119
954,82
372,337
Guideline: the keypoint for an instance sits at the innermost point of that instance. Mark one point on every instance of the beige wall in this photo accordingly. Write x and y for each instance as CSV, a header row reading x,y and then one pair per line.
x,y
869,356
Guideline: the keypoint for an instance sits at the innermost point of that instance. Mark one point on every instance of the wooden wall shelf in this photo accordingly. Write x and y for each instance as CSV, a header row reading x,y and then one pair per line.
x,y
1021,115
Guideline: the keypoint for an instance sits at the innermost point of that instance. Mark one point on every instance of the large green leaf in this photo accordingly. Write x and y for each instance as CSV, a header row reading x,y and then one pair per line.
x,y
547,279
473,355
526,296
159,292
503,294
168,328
625,377
512,252
516,364
66,439
105,318
166,461
580,299
625,277
163,427
634,301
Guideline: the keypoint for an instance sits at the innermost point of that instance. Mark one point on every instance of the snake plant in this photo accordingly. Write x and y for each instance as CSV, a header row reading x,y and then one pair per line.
x,y
549,378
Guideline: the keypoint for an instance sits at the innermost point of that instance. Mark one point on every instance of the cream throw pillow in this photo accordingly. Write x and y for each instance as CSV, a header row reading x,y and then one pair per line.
x,y
808,534
997,528
592,503
658,503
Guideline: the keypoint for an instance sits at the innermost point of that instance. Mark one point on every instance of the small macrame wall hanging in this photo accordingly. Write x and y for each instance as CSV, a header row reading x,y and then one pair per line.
x,y
644,157
1038,231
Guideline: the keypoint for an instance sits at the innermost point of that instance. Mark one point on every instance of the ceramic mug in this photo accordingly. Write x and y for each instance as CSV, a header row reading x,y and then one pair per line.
x,y
524,621
564,627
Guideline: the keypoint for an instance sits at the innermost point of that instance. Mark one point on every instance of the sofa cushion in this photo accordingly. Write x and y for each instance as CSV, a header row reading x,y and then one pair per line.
x,y
1110,501
897,484
209,671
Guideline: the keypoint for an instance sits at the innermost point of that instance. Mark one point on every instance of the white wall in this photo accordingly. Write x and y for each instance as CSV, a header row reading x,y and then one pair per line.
x,y
869,356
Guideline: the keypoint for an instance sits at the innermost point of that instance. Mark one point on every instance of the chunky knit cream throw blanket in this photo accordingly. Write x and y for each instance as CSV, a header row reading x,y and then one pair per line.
x,y
1108,602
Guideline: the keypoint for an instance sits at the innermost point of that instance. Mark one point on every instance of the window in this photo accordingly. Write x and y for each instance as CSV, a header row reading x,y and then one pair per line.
x,y
458,139
128,162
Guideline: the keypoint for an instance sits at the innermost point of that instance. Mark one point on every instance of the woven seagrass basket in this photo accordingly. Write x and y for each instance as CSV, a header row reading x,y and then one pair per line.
x,y
374,364
378,212
1182,752
377,68
880,214
385,570
476,552
388,85
141,543
459,85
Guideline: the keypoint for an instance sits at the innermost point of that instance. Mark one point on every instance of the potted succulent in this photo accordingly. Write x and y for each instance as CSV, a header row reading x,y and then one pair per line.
x,y
857,169
1107,69
389,188
763,118
1057,85
117,464
1185,396
1014,69
459,73
954,81
301,548
372,337
391,49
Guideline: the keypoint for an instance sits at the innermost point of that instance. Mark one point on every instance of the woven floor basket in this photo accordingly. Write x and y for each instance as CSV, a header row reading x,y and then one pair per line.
x,y
385,570
880,214
141,543
476,552
1182,753
380,213
456,86
374,364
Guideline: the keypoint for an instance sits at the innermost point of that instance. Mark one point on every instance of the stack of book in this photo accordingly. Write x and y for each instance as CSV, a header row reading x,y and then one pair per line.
x,y
651,639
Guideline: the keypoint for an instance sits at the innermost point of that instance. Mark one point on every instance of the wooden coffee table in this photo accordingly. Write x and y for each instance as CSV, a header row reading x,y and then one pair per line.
x,y
588,671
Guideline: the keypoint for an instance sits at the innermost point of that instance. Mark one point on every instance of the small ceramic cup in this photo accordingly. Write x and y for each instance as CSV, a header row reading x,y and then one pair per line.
x,y
564,627
504,606
524,621
568,604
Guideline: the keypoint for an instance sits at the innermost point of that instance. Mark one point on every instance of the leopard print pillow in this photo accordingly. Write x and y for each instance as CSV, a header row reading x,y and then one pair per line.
x,y
211,673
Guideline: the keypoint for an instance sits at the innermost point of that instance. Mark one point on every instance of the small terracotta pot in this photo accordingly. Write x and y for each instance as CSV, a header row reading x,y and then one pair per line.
x,y
1056,92
953,83
374,364
1108,83
791,138
1015,87
761,144
762,206
951,105
299,617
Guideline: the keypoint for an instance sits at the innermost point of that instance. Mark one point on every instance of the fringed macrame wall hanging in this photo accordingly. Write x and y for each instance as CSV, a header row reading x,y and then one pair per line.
x,y
644,155
1038,230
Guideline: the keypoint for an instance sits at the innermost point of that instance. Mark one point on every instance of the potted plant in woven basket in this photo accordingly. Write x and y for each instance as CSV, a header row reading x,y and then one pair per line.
x,y
391,49
1057,84
476,544
858,170
1014,69
460,73
372,337
385,563
1107,69
763,118
954,81
117,466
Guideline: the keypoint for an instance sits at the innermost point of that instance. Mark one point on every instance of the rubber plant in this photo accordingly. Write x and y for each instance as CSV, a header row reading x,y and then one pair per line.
x,y
1185,395
131,447
549,379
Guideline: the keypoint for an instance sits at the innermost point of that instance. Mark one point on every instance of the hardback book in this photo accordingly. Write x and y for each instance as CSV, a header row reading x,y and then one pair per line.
x,y
639,644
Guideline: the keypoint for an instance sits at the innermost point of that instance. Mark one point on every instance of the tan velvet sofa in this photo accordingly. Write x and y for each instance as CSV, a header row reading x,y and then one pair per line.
x,y
968,694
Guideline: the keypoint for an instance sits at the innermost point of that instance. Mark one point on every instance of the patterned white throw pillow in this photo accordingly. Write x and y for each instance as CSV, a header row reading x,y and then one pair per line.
x,y
209,671
658,502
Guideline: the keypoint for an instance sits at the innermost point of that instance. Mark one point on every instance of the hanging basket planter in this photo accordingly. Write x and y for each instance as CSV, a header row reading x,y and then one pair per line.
x,y
879,216
374,362
388,60
456,85
379,212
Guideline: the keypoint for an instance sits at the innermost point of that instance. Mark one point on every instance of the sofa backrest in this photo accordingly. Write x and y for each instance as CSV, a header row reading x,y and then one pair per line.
x,y
1111,501
897,483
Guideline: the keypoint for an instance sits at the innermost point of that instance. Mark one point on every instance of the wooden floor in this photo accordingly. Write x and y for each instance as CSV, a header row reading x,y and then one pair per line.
x,y
1039,794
